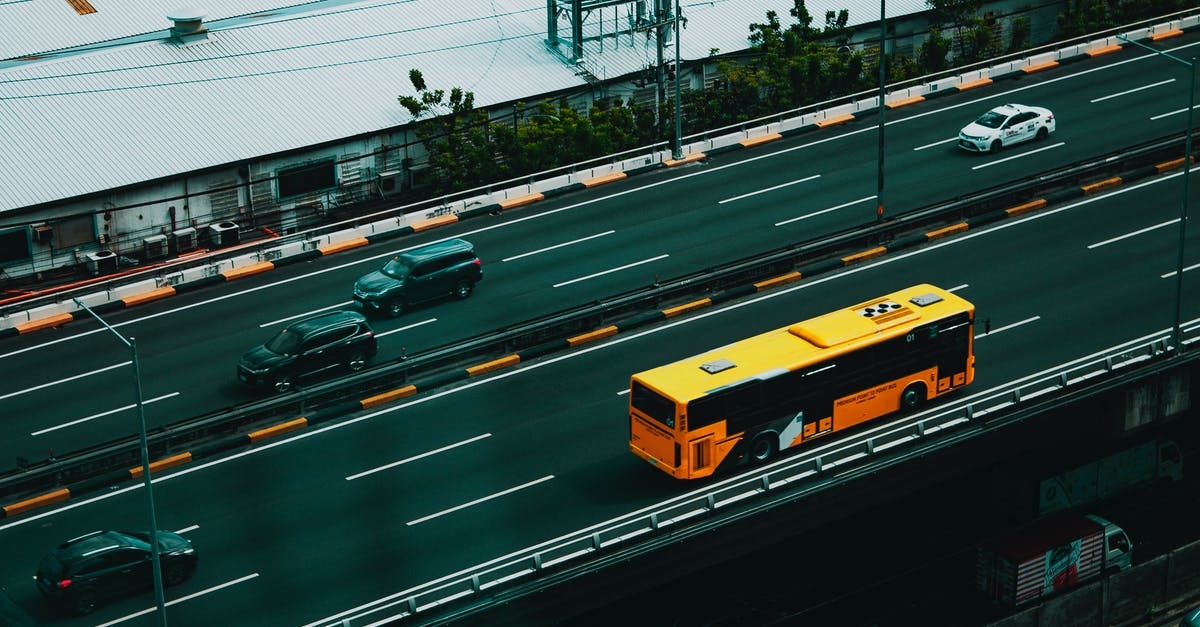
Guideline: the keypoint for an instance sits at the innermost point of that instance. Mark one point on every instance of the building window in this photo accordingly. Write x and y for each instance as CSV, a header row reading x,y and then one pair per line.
x,y
14,245
307,179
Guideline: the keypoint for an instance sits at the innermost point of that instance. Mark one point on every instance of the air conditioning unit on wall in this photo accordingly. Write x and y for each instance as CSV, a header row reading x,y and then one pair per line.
x,y
185,239
223,234
101,262
43,234
154,247
391,182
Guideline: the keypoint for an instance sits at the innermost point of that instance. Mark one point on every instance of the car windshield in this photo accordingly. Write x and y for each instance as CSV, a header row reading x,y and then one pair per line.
x,y
991,119
286,343
397,268
138,539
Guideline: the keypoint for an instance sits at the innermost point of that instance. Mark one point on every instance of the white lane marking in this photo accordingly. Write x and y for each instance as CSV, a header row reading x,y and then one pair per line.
x,y
886,260
958,287
187,529
103,414
817,213
406,327
769,189
479,500
1007,326
301,315
542,250
1135,233
618,269
999,96
1171,113
623,392
937,143
180,599
1024,154
1130,91
416,457
52,383
1173,272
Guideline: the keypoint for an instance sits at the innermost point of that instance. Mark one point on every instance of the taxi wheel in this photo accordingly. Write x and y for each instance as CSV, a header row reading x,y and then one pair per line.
x,y
1042,133
996,146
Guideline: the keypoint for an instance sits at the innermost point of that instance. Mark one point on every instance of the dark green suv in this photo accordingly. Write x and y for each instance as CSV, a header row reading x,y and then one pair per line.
x,y
336,339
106,564
449,268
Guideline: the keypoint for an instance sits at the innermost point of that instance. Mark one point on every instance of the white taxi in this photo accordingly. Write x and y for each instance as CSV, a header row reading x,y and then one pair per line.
x,y
1004,126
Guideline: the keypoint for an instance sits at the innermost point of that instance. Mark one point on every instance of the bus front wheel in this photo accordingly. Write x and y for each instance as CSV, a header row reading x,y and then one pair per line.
x,y
913,397
763,448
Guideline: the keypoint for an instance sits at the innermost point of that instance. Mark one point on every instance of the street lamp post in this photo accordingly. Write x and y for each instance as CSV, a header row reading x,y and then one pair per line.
x,y
882,106
1177,334
677,153
137,391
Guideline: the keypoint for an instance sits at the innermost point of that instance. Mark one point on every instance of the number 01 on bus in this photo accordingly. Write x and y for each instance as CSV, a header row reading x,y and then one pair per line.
x,y
744,402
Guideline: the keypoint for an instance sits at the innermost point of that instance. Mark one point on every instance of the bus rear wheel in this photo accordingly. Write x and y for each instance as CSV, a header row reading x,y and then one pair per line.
x,y
763,448
913,397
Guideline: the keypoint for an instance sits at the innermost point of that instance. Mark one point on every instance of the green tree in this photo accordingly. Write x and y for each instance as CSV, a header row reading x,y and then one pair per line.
x,y
934,54
457,137
977,41
1019,39
959,14
1081,17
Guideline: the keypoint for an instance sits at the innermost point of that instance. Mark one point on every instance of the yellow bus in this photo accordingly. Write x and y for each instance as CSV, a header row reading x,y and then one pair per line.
x,y
744,402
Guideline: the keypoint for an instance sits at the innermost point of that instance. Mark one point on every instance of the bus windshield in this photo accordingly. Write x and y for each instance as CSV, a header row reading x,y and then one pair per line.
x,y
652,404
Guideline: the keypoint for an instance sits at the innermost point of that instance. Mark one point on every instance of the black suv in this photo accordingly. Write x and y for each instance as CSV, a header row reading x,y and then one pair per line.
x,y
307,347
106,564
448,268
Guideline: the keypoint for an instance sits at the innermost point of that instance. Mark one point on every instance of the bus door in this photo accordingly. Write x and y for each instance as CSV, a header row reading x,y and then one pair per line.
x,y
700,452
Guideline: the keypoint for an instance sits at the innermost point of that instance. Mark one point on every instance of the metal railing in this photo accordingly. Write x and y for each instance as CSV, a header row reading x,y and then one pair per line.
x,y
786,480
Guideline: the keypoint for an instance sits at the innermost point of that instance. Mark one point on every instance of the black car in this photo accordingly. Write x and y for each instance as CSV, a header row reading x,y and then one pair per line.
x,y
337,339
107,564
449,268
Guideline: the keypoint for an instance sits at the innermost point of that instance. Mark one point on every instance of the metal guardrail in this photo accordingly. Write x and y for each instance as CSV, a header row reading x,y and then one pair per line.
x,y
122,453
623,538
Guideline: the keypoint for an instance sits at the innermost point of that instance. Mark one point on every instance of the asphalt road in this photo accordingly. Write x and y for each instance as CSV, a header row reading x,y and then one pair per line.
x,y
540,450
70,388
294,532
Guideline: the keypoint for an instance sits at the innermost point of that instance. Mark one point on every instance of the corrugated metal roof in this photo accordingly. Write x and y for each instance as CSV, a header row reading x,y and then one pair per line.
x,y
29,27
87,122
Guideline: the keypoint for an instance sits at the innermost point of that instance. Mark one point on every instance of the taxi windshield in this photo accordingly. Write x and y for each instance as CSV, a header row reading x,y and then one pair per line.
x,y
991,119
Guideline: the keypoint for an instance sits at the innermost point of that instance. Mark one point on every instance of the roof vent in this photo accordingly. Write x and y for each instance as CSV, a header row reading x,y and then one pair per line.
x,y
720,365
189,25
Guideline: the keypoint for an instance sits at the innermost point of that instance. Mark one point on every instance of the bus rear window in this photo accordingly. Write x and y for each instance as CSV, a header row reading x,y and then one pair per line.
x,y
652,404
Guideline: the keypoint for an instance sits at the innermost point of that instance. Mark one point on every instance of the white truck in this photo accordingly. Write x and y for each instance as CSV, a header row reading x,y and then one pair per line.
x,y
1048,555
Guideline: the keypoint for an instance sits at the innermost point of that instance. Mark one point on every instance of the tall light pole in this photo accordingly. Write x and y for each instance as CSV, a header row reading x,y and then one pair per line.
x,y
882,106
677,153
137,392
1187,168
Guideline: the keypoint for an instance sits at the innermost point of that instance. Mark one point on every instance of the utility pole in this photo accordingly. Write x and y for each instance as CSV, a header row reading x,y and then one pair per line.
x,y
677,146
147,484
882,106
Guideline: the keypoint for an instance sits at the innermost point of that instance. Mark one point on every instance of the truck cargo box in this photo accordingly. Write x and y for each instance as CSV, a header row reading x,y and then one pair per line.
x,y
1048,555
